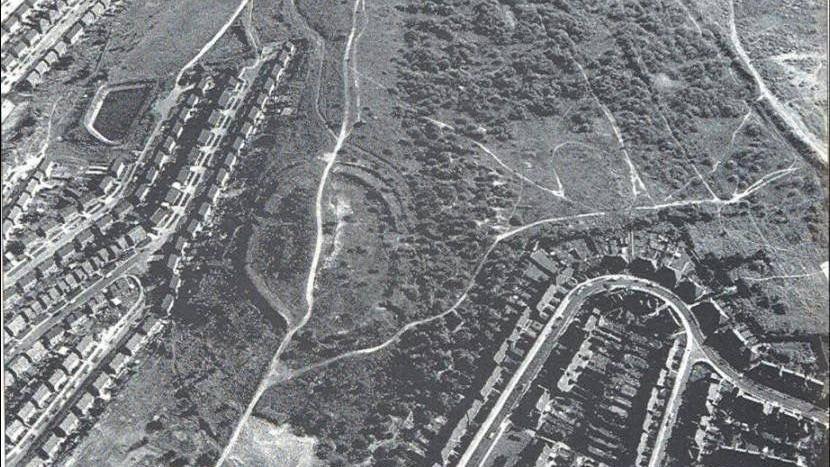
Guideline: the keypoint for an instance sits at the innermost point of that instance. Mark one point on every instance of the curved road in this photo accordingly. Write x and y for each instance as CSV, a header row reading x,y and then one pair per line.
x,y
566,312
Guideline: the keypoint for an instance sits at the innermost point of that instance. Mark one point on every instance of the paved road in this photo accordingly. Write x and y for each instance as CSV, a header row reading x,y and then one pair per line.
x,y
563,317
713,358
46,42
79,379
79,299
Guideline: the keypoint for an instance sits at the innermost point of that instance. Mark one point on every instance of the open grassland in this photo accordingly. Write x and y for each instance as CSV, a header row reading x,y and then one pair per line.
x,y
156,38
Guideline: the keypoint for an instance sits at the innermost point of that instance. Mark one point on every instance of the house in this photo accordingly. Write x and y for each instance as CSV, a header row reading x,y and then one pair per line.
x,y
116,248
193,100
23,200
40,24
101,384
53,337
97,9
122,243
89,201
53,14
71,281
51,447
141,192
238,144
57,380
83,238
30,36
226,98
148,324
15,431
27,281
54,294
205,137
204,210
118,167
79,274
68,425
8,225
167,303
12,23
192,229
105,255
74,34
118,362
247,129
133,344
173,261
49,59
174,283
60,48
183,175
158,216
230,160
30,312
70,363
205,84
169,145
17,325
173,196
33,78
222,176
68,212
213,193
177,129
17,49
36,352
89,267
215,118
64,286
160,159
14,213
270,85
19,366
85,404
27,412
65,252
44,300
122,209
107,185
262,102
41,396
136,235
85,346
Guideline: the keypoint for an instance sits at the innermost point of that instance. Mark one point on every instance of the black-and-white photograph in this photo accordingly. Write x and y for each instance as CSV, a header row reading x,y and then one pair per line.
x,y
416,233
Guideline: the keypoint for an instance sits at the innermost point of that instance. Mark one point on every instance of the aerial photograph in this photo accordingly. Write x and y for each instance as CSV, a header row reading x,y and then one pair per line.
x,y
438,233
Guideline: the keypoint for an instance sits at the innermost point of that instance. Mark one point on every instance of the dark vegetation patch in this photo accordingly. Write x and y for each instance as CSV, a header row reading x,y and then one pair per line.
x,y
119,111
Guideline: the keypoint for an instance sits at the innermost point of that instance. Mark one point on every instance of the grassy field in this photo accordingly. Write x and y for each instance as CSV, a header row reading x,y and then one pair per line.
x,y
156,38
182,403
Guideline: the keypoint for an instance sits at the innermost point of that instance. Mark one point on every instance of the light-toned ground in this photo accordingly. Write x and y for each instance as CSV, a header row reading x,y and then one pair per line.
x,y
266,445
787,42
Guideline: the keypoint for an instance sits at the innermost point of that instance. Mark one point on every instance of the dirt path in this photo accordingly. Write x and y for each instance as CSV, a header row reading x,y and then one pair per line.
x,y
794,123
274,370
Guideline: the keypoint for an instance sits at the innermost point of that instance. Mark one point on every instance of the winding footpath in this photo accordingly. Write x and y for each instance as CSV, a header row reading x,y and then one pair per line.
x,y
330,158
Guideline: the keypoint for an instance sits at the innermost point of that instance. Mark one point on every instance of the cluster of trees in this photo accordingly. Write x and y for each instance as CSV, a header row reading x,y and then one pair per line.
x,y
396,407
